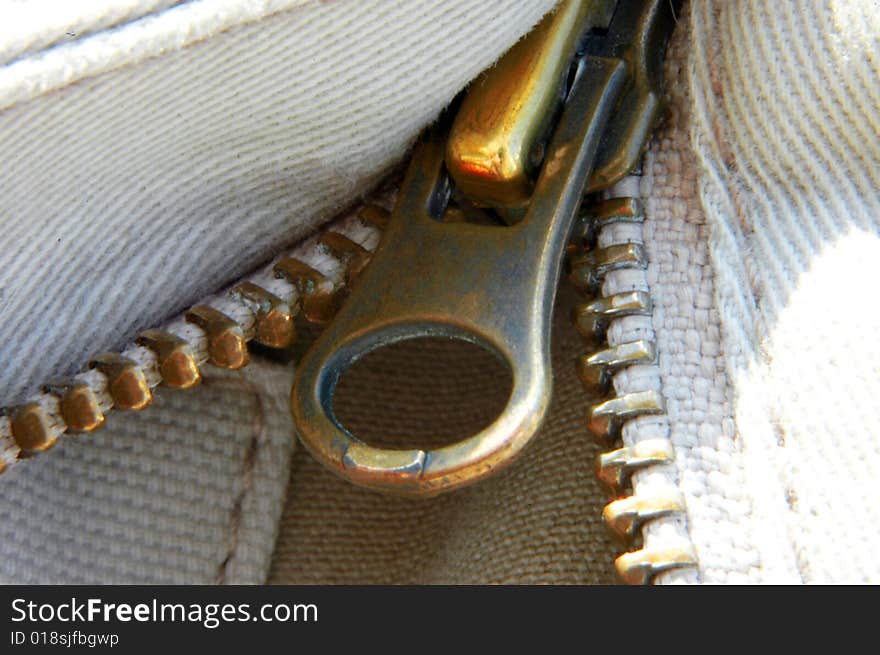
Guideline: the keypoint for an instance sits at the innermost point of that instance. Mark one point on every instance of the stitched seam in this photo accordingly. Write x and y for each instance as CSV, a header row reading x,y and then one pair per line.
x,y
246,477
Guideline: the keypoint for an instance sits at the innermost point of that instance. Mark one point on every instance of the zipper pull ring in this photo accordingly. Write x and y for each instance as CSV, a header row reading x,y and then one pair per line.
x,y
491,284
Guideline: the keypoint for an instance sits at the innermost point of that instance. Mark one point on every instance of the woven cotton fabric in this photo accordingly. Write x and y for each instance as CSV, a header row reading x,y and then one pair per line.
x,y
187,492
786,100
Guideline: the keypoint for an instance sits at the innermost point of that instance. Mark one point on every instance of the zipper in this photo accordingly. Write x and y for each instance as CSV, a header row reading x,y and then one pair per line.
x,y
307,282
613,73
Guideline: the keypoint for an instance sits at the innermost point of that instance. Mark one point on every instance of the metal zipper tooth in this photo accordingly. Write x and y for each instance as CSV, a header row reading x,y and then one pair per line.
x,y
79,405
375,216
262,307
595,371
615,467
598,215
591,319
589,268
319,296
626,515
639,567
33,428
174,357
605,419
352,254
126,382
227,347
274,319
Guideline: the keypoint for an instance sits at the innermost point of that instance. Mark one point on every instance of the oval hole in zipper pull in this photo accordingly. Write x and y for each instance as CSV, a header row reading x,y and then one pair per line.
x,y
491,285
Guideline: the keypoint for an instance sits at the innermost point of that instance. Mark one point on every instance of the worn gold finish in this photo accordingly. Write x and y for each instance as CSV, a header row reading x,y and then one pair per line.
x,y
588,268
352,254
495,145
640,567
591,319
489,284
595,370
614,468
227,347
605,419
78,404
174,358
375,215
125,381
603,213
319,297
32,428
626,515
274,326
614,210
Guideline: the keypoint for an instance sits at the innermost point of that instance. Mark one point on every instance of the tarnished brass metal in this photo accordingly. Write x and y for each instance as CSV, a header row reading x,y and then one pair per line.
x,y
614,468
125,381
352,254
641,30
275,325
32,428
319,297
591,319
375,215
615,210
588,268
639,567
604,420
494,147
595,370
626,515
598,215
227,347
174,358
492,285
79,405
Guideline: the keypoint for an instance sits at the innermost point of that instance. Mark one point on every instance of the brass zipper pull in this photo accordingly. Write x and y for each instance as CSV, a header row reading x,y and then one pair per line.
x,y
474,246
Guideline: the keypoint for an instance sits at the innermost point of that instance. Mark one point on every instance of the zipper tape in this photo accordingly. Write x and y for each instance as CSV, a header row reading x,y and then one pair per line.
x,y
607,263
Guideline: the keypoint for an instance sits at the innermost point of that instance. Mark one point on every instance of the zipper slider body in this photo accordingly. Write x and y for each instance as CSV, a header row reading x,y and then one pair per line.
x,y
490,284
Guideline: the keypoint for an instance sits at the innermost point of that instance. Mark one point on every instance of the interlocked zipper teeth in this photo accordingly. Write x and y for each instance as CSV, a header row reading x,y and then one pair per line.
x,y
309,281
608,264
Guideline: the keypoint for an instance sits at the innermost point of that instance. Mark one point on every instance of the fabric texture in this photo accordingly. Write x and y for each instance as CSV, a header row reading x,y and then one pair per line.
x,y
786,99
188,491
156,177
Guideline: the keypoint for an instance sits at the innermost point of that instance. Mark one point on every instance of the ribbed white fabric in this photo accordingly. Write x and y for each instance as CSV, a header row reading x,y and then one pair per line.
x,y
32,25
135,192
786,111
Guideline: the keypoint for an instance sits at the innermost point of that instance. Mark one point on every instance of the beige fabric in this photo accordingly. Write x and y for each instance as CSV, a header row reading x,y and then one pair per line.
x,y
187,491
538,522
